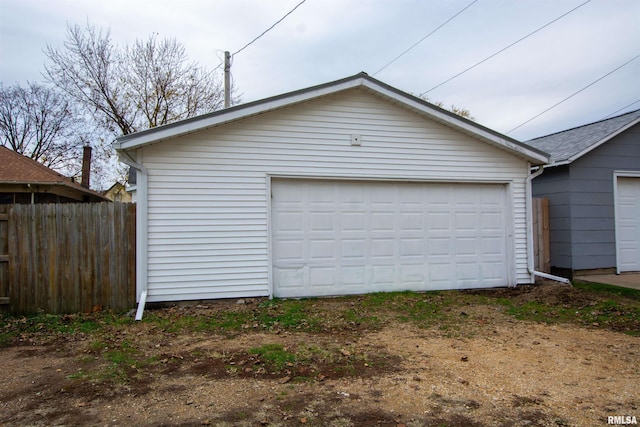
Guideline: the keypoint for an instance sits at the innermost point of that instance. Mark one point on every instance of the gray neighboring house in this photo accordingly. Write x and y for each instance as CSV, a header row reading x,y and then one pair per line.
x,y
593,186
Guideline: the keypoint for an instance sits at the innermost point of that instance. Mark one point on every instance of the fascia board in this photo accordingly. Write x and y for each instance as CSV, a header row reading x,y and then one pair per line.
x,y
554,164
602,141
468,127
56,187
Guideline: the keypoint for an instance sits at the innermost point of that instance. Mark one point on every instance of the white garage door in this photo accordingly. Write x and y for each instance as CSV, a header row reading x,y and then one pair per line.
x,y
628,224
350,237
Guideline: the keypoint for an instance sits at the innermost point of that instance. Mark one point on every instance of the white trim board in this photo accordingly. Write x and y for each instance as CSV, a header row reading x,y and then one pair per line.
x,y
616,175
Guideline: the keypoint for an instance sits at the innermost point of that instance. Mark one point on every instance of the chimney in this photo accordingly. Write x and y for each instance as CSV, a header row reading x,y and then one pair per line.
x,y
86,166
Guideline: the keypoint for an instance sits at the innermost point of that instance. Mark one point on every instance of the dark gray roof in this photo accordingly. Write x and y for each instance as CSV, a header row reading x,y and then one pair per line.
x,y
569,145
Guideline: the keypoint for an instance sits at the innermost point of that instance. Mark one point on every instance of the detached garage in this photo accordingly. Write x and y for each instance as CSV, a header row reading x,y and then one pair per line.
x,y
348,187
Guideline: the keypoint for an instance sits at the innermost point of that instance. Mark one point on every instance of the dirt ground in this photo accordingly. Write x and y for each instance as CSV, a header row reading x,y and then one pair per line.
x,y
495,371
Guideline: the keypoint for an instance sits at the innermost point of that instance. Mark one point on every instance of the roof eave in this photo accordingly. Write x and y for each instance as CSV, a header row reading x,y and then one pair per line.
x,y
602,141
531,154
554,164
217,118
163,133
67,185
568,160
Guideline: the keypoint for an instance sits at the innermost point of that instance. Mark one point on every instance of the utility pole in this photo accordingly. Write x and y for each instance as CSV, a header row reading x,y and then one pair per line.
x,y
227,79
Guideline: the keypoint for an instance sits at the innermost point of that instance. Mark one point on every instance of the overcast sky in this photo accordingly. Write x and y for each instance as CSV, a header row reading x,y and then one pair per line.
x,y
325,40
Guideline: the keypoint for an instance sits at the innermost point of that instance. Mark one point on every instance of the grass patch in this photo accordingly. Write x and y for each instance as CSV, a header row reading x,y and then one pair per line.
x,y
46,328
124,362
6,338
608,289
288,314
586,304
275,356
538,312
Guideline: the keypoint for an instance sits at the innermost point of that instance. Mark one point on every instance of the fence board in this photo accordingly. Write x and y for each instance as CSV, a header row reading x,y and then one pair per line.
x,y
541,251
4,255
66,258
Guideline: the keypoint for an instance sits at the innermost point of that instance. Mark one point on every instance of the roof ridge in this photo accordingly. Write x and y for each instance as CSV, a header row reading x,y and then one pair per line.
x,y
585,125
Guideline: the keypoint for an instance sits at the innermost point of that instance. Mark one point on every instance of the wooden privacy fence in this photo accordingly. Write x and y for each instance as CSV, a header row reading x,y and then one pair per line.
x,y
68,258
541,252
4,255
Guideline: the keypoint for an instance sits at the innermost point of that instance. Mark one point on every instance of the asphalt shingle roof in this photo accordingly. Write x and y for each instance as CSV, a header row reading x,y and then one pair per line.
x,y
18,169
566,145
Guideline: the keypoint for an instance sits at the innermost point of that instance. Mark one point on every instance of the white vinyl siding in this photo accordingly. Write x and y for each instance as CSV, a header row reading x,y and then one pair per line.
x,y
208,193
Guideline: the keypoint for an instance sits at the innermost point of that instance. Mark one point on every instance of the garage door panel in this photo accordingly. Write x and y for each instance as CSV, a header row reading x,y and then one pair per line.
x,y
382,247
411,247
382,221
413,274
322,276
321,221
467,272
380,236
383,275
491,221
289,221
411,221
439,221
352,221
439,247
466,246
292,250
440,272
492,271
289,279
352,276
354,248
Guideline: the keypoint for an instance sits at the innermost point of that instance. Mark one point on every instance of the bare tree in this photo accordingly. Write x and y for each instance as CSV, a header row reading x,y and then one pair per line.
x,y
462,112
132,88
166,88
39,123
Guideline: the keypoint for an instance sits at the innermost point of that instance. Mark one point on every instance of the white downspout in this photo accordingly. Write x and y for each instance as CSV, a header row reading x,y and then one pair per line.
x,y
141,230
529,197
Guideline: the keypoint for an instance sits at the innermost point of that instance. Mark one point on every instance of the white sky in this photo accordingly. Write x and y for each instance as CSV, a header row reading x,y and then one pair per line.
x,y
325,40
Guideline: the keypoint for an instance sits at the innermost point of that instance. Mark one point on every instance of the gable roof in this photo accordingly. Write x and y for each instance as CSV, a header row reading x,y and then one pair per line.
x,y
360,80
571,144
16,169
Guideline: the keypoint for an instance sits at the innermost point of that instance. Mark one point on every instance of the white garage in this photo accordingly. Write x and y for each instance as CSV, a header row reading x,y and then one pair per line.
x,y
628,223
349,237
347,187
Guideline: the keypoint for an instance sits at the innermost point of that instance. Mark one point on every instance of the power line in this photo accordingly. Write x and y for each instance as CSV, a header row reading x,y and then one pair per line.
x,y
221,64
269,29
424,38
574,94
505,48
623,108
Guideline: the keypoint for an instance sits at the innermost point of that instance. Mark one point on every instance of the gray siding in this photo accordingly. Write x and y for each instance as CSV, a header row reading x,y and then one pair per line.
x,y
592,211
554,185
